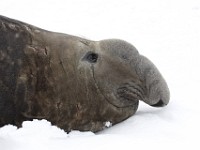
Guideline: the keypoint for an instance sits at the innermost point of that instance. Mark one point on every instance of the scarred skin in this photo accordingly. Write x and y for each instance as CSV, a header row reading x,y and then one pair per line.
x,y
74,83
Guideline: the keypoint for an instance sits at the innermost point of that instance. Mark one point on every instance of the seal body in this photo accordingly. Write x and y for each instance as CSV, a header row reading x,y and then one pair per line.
x,y
74,83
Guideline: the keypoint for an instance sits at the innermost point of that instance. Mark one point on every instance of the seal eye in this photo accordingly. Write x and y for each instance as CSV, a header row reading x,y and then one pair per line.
x,y
92,57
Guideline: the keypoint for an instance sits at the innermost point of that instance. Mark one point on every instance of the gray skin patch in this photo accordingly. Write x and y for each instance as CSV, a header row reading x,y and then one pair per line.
x,y
74,83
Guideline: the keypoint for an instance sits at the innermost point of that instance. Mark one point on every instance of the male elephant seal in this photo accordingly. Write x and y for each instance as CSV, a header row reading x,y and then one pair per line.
x,y
74,83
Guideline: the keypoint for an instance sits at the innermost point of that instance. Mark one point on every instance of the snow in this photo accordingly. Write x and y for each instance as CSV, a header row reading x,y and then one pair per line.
x,y
167,32
108,124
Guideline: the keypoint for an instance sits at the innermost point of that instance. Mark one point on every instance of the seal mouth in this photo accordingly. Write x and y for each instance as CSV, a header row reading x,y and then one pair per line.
x,y
122,101
129,93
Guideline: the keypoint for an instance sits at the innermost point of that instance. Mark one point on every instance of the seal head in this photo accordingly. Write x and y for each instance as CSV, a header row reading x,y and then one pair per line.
x,y
75,83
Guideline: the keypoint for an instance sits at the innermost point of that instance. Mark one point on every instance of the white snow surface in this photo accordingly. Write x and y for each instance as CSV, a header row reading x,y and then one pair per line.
x,y
166,31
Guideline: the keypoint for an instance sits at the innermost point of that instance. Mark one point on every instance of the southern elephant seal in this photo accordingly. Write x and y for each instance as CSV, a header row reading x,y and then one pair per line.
x,y
74,83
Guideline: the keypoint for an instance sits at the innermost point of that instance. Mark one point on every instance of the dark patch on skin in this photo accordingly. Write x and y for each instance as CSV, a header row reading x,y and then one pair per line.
x,y
74,83
12,42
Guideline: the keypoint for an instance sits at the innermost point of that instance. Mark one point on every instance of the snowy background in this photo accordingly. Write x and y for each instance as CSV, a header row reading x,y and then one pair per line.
x,y
166,31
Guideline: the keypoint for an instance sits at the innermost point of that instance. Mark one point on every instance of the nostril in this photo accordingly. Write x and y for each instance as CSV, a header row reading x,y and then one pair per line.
x,y
159,104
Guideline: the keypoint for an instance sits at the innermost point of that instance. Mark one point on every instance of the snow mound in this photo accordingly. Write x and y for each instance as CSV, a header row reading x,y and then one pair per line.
x,y
38,129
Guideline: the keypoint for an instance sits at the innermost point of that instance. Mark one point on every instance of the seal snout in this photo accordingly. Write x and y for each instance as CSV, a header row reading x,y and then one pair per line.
x,y
157,92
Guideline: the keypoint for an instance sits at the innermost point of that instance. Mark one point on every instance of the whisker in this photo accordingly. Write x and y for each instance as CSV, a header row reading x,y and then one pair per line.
x,y
136,92
131,91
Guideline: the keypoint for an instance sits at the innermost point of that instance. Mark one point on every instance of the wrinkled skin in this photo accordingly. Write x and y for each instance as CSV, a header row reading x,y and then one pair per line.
x,y
74,83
